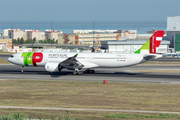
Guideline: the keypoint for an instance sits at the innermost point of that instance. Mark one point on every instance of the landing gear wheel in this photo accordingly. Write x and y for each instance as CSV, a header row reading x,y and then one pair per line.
x,y
92,71
80,73
89,71
86,71
74,73
22,69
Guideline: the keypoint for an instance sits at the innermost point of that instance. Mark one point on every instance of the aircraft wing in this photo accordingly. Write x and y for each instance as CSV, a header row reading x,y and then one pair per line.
x,y
71,63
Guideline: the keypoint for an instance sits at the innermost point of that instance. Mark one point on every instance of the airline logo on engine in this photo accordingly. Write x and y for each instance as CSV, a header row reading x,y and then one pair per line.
x,y
57,56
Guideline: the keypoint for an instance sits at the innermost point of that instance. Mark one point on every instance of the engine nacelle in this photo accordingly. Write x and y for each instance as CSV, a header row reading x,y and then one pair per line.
x,y
52,67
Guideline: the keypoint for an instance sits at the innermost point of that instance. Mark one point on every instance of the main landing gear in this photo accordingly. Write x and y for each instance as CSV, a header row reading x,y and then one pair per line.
x,y
22,69
77,72
89,71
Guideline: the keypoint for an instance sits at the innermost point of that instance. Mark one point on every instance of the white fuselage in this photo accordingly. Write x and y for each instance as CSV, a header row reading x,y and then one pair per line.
x,y
89,60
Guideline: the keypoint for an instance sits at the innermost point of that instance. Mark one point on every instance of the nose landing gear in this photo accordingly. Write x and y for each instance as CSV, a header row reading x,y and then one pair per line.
x,y
22,69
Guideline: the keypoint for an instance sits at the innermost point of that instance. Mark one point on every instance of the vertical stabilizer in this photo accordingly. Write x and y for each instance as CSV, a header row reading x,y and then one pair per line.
x,y
151,45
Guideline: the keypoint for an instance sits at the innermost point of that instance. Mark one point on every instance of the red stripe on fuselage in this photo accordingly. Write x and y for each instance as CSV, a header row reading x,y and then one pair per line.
x,y
37,58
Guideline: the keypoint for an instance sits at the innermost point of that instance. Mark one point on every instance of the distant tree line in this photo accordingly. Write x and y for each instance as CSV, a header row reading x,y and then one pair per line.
x,y
49,41
33,41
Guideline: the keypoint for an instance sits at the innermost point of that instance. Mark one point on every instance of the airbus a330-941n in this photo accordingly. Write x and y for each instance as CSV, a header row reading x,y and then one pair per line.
x,y
54,61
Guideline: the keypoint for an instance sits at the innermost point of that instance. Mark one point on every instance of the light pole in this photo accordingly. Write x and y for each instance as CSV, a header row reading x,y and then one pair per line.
x,y
12,32
174,40
51,33
138,31
93,35
83,38
51,26
12,25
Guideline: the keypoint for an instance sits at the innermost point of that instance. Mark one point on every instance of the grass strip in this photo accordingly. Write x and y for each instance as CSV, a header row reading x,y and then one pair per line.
x,y
91,95
15,116
4,61
80,115
135,116
58,114
3,52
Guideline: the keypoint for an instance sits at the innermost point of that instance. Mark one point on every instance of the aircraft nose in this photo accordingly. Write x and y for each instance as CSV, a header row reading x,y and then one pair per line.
x,y
9,59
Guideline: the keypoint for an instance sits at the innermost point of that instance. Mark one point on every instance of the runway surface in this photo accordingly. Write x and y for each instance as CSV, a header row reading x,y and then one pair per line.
x,y
4,56
116,75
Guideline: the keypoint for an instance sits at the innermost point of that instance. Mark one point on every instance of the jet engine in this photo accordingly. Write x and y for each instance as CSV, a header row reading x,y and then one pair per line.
x,y
53,67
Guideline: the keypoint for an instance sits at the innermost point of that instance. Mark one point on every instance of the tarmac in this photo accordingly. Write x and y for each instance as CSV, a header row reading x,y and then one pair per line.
x,y
112,75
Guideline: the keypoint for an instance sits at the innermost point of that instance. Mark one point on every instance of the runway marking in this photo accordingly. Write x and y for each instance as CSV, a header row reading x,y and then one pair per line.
x,y
83,109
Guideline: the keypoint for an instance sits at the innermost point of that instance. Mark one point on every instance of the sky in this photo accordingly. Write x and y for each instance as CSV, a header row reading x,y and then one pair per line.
x,y
88,10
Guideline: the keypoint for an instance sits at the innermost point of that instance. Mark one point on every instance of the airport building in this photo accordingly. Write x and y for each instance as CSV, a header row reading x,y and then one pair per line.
x,y
5,44
68,39
131,34
93,31
130,46
173,25
14,33
6,32
31,34
86,37
52,34
173,32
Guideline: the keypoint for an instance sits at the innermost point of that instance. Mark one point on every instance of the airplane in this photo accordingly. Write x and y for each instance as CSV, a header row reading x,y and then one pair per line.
x,y
55,61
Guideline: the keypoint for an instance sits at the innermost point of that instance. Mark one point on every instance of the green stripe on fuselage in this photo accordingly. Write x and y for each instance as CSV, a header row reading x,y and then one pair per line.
x,y
27,56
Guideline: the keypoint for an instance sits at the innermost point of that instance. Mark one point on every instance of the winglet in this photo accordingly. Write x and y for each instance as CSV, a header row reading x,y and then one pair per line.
x,y
75,55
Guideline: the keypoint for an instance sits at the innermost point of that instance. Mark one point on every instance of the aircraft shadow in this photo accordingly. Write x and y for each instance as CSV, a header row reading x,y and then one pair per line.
x,y
58,74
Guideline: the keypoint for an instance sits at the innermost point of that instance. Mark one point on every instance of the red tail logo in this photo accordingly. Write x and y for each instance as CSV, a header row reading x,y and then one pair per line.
x,y
155,40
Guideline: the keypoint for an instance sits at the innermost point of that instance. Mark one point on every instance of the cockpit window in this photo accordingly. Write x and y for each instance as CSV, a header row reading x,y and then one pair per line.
x,y
12,56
